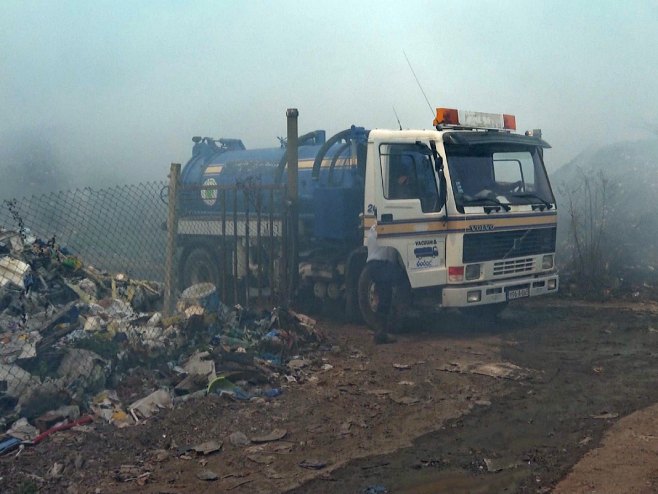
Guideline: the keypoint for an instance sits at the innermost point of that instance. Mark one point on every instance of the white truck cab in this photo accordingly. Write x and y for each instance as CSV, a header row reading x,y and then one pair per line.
x,y
467,207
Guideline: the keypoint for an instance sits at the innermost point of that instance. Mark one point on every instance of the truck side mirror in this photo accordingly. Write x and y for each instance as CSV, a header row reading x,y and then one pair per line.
x,y
443,189
438,163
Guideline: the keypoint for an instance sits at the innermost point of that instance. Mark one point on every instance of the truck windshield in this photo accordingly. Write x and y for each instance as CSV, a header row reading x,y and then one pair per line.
x,y
503,174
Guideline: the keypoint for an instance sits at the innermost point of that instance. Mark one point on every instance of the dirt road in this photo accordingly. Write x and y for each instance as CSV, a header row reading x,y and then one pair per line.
x,y
454,406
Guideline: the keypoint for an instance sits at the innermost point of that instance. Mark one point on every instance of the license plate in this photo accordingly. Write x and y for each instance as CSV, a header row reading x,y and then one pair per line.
x,y
515,293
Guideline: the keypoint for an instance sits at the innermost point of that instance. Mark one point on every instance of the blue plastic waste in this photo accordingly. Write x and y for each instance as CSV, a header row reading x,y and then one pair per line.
x,y
375,489
8,445
273,393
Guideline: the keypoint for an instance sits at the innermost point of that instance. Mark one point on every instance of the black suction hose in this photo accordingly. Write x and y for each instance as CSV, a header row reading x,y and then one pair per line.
x,y
336,157
325,147
284,159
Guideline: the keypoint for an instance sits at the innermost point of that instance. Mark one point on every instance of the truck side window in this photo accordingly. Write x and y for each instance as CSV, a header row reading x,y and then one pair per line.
x,y
515,168
408,173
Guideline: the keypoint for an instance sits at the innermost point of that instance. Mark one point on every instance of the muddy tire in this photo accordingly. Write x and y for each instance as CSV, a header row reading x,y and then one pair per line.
x,y
198,265
370,294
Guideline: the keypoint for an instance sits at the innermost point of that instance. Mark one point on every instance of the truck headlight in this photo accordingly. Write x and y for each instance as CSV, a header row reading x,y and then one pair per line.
x,y
472,272
552,284
547,261
473,296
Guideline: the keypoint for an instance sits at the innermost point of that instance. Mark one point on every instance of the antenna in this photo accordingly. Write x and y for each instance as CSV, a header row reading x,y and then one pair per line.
x,y
397,118
418,82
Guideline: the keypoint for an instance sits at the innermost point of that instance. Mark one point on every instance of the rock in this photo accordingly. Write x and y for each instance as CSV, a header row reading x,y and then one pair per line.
x,y
498,464
239,439
585,441
207,475
405,400
159,455
313,464
127,473
296,364
379,392
345,428
208,447
275,435
56,470
262,459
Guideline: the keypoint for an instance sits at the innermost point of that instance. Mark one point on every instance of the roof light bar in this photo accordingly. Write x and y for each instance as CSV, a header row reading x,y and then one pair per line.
x,y
459,118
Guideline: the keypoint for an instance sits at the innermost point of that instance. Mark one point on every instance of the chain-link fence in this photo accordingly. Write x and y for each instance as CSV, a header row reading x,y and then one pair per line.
x,y
119,229
86,276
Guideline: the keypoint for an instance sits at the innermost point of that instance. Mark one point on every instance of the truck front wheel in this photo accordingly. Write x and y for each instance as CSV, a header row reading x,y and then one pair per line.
x,y
371,297
198,265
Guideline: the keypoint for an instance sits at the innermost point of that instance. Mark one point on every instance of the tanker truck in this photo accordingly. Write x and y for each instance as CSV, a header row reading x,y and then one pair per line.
x,y
464,208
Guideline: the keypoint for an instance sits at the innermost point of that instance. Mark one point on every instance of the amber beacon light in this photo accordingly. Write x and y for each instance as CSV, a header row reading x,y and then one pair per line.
x,y
450,117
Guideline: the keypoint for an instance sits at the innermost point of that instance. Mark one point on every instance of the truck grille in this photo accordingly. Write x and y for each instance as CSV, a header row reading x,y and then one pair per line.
x,y
516,266
479,247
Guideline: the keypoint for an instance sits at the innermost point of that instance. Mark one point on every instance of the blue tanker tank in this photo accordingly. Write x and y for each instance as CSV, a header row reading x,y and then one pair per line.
x,y
330,178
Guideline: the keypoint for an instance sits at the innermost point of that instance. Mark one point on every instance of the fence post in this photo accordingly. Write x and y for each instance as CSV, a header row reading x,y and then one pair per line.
x,y
292,152
172,231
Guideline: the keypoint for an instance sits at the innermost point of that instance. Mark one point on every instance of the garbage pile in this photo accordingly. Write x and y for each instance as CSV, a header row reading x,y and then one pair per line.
x,y
71,338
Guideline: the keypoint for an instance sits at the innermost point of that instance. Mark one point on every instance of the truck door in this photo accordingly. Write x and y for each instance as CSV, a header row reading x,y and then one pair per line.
x,y
408,184
410,209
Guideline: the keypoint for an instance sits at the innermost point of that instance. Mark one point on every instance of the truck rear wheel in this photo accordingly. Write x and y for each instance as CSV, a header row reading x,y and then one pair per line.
x,y
371,295
198,265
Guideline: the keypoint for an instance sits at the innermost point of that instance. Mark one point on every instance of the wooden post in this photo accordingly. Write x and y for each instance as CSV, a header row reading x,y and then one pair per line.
x,y
292,151
172,232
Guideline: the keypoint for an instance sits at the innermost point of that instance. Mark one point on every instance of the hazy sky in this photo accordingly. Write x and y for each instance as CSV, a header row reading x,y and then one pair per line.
x,y
122,86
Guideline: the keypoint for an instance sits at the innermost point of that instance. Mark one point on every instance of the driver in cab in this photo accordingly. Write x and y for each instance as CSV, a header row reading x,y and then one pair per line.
x,y
403,179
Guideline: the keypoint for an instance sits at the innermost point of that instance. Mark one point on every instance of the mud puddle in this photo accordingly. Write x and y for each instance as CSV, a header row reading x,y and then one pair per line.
x,y
589,366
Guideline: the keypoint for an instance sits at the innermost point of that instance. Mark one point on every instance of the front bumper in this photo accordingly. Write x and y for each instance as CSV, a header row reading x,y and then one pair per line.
x,y
499,291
